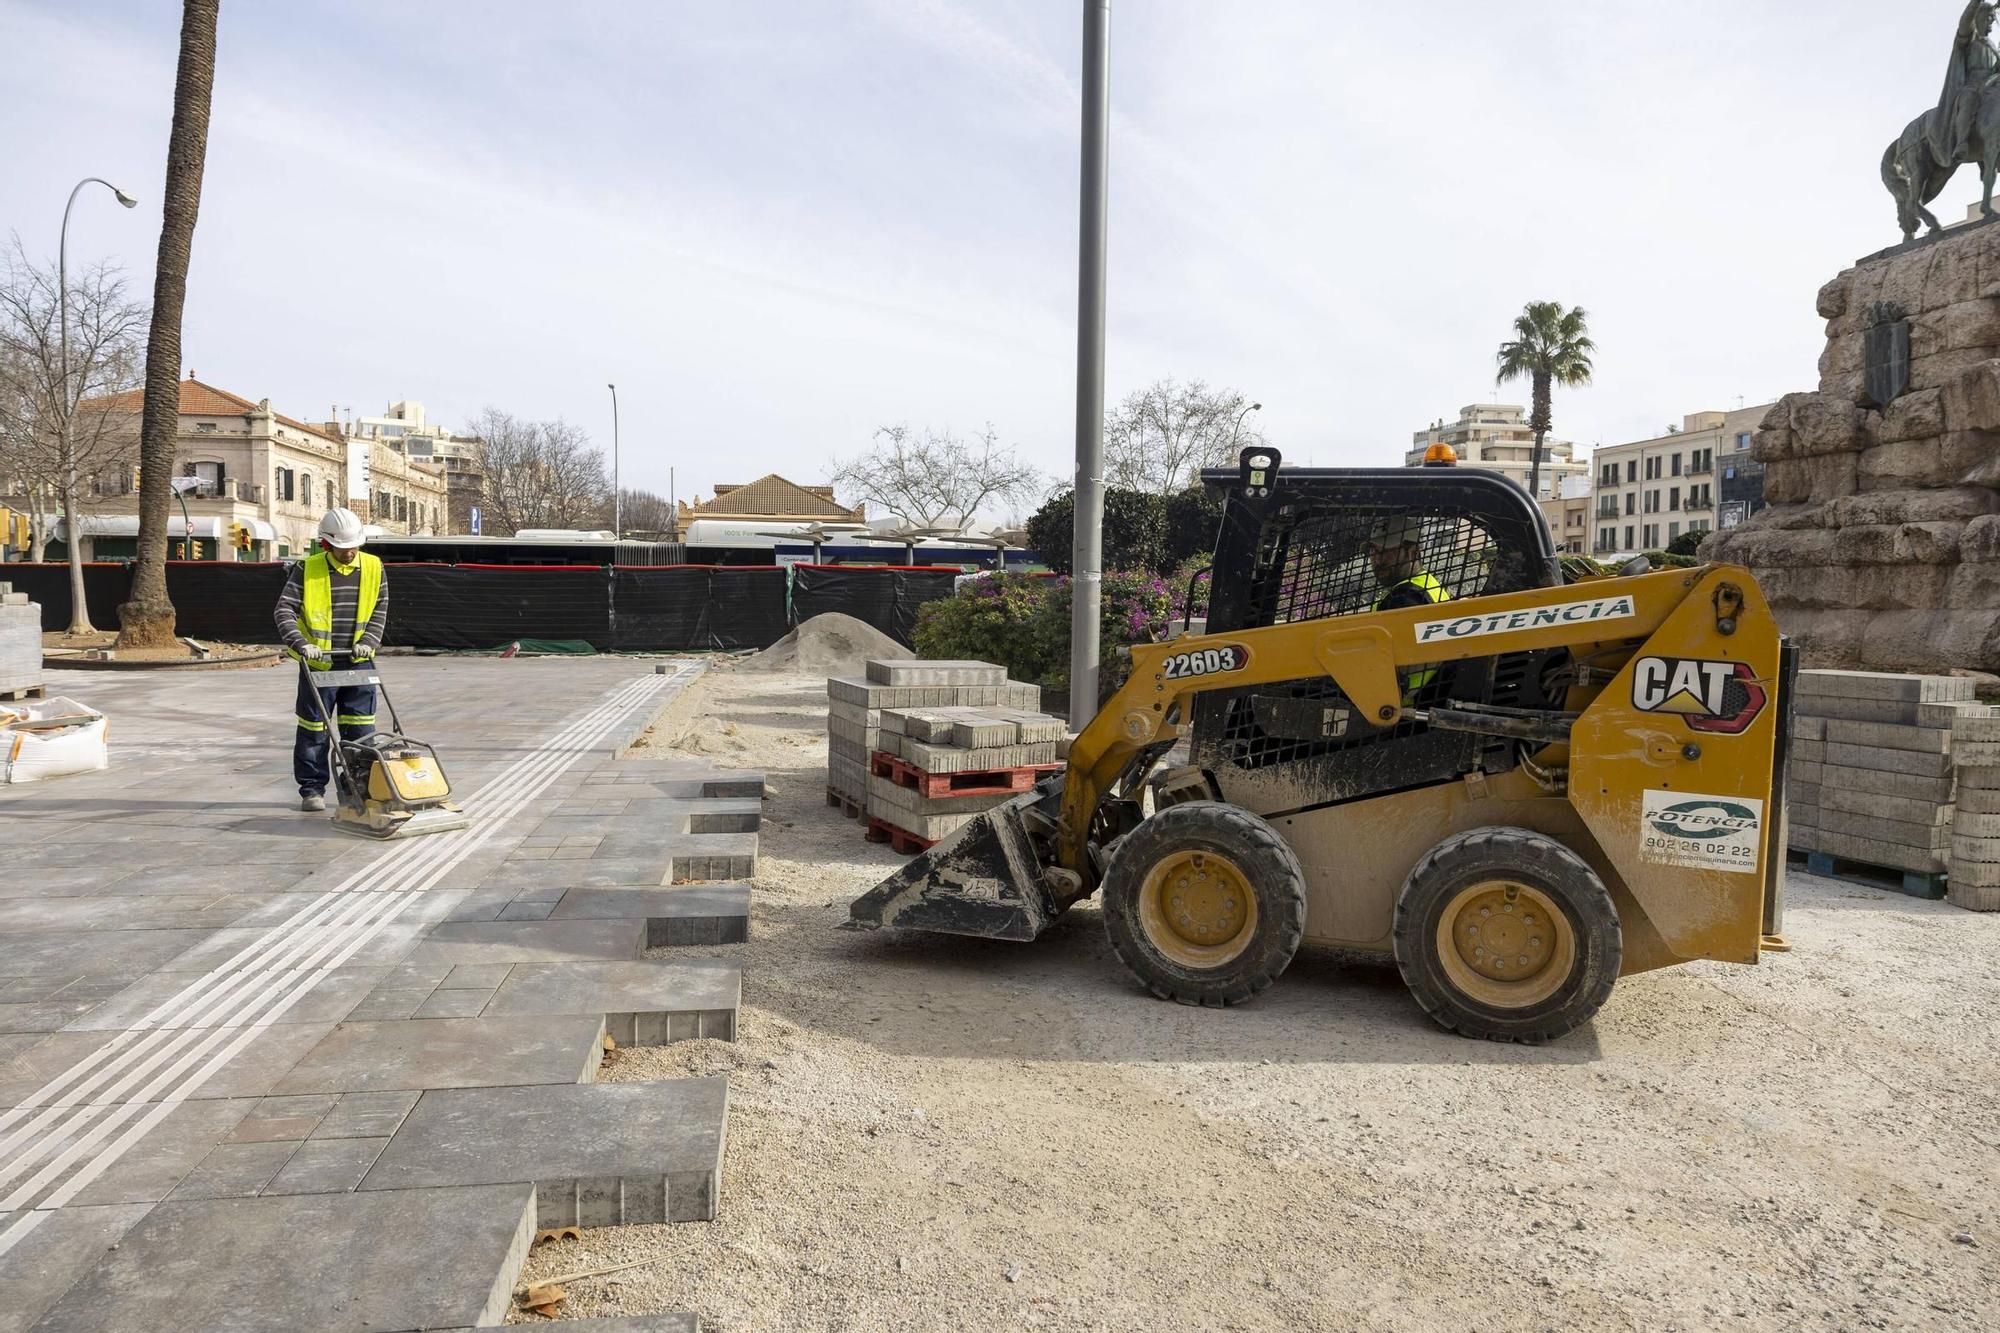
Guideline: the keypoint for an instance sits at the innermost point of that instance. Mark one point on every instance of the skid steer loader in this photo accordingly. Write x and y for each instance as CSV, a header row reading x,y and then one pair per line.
x,y
1520,779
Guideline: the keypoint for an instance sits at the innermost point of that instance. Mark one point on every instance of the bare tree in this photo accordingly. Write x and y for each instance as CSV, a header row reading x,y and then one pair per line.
x,y
644,512
146,620
1160,438
933,478
54,446
539,474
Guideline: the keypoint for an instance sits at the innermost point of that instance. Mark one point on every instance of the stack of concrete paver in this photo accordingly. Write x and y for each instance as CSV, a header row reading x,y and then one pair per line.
x,y
855,705
20,644
1871,777
1975,827
935,768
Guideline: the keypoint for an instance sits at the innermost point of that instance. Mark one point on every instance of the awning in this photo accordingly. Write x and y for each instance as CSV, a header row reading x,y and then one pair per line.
x,y
207,527
262,531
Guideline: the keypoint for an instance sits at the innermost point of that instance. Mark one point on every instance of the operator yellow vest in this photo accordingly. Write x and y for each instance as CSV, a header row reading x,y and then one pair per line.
x,y
316,605
1430,587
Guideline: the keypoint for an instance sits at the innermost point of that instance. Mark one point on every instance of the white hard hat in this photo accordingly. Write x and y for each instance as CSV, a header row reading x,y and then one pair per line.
x,y
341,528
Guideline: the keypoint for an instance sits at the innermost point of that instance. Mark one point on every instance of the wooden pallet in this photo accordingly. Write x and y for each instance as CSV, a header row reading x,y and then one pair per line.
x,y
24,692
900,839
981,782
1916,883
848,805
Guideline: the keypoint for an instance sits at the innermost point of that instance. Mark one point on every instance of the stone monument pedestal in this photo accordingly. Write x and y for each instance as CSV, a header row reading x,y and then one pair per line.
x,y
1880,548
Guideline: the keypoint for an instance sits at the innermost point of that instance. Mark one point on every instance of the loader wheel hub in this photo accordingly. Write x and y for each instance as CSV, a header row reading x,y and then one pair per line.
x,y
1505,943
1197,908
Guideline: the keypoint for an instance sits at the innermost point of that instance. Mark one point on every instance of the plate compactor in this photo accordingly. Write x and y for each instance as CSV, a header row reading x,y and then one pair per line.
x,y
1409,728
386,785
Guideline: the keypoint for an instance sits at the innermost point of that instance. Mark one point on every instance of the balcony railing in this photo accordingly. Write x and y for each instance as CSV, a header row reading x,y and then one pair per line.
x,y
1703,470
1608,510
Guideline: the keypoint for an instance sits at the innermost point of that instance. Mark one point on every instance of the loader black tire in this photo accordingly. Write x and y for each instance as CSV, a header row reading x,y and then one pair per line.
x,y
1177,910
1493,881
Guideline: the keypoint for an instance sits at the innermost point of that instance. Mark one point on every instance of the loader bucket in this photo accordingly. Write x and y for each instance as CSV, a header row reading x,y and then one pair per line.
x,y
985,879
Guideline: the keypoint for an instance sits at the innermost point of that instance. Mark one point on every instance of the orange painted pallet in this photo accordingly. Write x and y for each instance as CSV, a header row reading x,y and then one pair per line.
x,y
900,839
982,782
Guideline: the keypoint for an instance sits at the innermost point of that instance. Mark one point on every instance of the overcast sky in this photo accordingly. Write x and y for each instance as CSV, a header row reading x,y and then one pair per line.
x,y
778,224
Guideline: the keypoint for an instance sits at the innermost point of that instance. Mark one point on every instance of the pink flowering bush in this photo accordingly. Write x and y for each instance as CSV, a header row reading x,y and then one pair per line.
x,y
1022,622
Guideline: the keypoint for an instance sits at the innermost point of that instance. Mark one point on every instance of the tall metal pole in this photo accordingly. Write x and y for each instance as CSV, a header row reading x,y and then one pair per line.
x,y
617,495
1087,545
79,615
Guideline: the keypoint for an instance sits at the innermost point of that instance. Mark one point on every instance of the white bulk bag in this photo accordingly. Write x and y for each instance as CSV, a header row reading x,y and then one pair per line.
x,y
49,738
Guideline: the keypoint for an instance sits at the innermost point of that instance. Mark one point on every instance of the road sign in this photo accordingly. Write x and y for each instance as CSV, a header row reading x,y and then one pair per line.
x,y
475,520
190,527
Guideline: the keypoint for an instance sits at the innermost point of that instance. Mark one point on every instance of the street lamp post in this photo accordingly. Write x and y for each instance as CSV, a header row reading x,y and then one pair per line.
x,y
1087,541
1237,429
617,495
79,615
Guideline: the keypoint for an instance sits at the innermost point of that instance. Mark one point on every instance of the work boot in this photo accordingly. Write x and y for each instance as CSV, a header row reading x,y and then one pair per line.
x,y
311,800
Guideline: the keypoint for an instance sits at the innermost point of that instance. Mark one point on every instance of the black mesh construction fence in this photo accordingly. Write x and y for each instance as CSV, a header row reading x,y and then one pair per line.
x,y
722,607
227,603
624,608
886,598
490,606
104,588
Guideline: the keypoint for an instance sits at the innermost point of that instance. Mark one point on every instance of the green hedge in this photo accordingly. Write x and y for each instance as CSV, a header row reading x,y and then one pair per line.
x,y
1022,622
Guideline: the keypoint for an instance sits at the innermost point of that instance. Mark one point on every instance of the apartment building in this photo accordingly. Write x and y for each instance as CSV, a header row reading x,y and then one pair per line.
x,y
1648,492
404,431
1568,515
1497,437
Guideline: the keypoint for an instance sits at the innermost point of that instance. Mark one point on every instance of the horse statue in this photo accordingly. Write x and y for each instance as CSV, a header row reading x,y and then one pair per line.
x,y
1914,175
1964,127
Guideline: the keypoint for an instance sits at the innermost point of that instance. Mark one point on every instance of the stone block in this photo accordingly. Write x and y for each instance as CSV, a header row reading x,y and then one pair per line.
x,y
1945,714
1974,726
1955,505
1881,685
1868,851
934,828
857,713
918,673
1888,736
561,1045
409,1259
1810,752
1906,809
1893,761
1914,416
1915,786
1934,838
1787,480
1802,838
1975,849
1803,793
1978,754
1862,710
681,915
649,1003
598,1155
1972,824
885,797
973,729
950,759
1975,875
1972,394
1983,800
1832,302
1808,728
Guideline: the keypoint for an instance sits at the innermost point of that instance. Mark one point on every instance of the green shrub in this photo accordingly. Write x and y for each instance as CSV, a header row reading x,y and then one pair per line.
x,y
1021,621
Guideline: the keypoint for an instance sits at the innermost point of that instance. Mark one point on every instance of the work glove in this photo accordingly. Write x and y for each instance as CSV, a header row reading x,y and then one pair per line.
x,y
318,659
363,653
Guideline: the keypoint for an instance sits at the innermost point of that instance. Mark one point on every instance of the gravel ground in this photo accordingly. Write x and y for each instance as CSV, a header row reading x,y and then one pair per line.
x,y
941,1134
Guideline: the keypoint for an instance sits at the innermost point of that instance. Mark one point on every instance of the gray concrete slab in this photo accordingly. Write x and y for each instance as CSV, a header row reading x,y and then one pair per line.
x,y
326,1166
682,914
602,1154
174,1147
514,1050
525,875
62,1248
235,1170
365,1115
329,1001
455,942
649,1003
412,1259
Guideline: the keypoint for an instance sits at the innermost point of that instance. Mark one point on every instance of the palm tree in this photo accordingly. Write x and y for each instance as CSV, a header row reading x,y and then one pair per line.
x,y
147,620
1550,346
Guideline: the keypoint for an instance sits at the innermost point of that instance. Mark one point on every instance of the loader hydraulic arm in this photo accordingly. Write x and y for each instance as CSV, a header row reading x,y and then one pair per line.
x,y
1361,654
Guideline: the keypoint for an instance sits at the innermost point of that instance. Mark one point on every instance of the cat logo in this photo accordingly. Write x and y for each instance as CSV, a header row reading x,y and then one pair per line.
x,y
1712,696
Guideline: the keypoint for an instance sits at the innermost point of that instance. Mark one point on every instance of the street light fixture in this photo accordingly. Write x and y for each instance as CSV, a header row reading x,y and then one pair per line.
x,y
1254,407
80,614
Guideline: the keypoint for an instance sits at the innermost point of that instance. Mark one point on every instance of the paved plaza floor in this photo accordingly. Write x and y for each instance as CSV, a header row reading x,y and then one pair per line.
x,y
259,1073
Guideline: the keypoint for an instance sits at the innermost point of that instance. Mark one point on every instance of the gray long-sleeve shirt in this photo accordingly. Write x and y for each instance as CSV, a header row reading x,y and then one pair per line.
x,y
346,591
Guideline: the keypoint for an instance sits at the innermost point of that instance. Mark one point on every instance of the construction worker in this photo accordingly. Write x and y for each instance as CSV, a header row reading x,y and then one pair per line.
x,y
1395,551
331,616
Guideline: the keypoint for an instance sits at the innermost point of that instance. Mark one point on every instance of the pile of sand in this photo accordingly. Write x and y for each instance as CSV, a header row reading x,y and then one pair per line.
x,y
828,645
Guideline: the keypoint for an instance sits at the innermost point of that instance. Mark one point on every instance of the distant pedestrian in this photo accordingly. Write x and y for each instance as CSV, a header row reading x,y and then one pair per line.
x,y
331,616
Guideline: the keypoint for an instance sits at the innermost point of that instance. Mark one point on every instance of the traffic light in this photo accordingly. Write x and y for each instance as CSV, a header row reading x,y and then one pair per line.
x,y
239,536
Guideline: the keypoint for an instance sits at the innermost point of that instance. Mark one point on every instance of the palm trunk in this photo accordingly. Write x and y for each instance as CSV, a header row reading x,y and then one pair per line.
x,y
147,620
1535,467
1540,421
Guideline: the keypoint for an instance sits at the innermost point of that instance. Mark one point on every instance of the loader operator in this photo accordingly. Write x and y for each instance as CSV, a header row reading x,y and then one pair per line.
x,y
1395,550
331,616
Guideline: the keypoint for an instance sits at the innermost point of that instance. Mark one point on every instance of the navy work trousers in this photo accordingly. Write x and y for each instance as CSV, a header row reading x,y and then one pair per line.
x,y
352,708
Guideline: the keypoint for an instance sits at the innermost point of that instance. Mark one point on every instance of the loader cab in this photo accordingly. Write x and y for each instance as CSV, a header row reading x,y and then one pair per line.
x,y
1304,544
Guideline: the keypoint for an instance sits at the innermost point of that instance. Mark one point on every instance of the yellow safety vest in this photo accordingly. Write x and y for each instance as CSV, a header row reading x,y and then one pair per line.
x,y
315,618
1430,587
